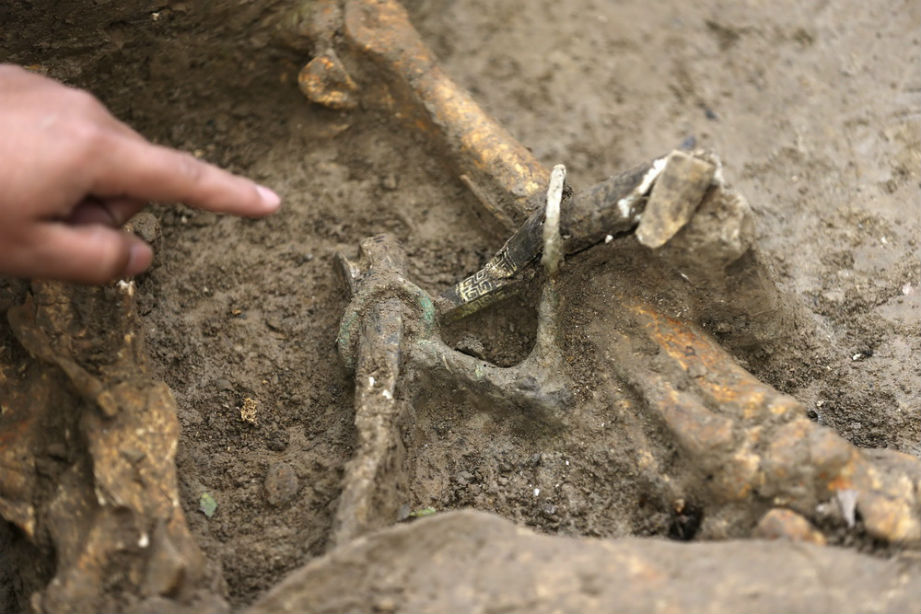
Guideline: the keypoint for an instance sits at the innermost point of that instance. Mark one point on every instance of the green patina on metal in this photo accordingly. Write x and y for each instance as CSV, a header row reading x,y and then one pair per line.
x,y
428,310
344,339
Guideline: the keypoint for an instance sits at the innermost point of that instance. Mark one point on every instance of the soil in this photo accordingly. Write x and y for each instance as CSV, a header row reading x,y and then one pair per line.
x,y
813,108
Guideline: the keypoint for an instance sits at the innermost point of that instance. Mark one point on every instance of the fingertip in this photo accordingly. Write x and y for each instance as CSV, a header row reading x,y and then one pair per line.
x,y
270,200
140,257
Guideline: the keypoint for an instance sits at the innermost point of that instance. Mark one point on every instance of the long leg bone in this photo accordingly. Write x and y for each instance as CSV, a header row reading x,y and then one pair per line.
x,y
502,172
752,445
506,178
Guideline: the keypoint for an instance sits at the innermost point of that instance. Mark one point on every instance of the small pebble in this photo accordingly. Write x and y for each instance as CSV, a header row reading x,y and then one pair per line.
x,y
470,345
389,182
280,484
277,441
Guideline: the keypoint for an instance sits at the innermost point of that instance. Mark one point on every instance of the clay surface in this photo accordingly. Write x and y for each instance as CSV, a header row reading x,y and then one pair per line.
x,y
473,562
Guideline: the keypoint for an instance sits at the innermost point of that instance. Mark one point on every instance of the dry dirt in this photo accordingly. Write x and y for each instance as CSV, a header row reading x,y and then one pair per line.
x,y
813,107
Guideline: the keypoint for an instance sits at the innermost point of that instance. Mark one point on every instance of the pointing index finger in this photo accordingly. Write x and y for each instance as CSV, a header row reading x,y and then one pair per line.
x,y
138,169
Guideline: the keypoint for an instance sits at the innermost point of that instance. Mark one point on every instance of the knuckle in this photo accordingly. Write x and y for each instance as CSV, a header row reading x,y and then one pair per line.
x,y
83,102
87,141
93,137
82,106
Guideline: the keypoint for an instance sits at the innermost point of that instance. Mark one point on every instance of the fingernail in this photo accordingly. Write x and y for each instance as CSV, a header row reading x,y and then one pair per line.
x,y
270,199
139,258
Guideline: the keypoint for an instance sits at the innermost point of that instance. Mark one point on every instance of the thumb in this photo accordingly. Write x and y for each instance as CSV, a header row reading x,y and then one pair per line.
x,y
92,254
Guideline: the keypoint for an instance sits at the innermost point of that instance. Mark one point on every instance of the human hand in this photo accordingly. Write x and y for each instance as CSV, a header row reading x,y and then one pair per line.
x,y
71,174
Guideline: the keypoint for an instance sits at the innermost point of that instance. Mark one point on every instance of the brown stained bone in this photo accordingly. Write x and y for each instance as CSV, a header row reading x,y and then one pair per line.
x,y
751,446
508,180
113,517
463,561
28,396
502,173
324,81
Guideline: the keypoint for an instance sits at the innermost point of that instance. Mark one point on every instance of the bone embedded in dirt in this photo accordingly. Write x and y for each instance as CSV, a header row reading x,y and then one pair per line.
x,y
787,524
325,81
501,171
830,194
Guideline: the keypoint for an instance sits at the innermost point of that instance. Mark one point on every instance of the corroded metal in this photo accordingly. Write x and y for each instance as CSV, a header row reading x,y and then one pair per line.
x,y
365,503
609,209
390,327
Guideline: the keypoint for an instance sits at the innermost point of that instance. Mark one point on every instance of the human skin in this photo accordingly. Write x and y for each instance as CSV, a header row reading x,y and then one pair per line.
x,y
71,174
